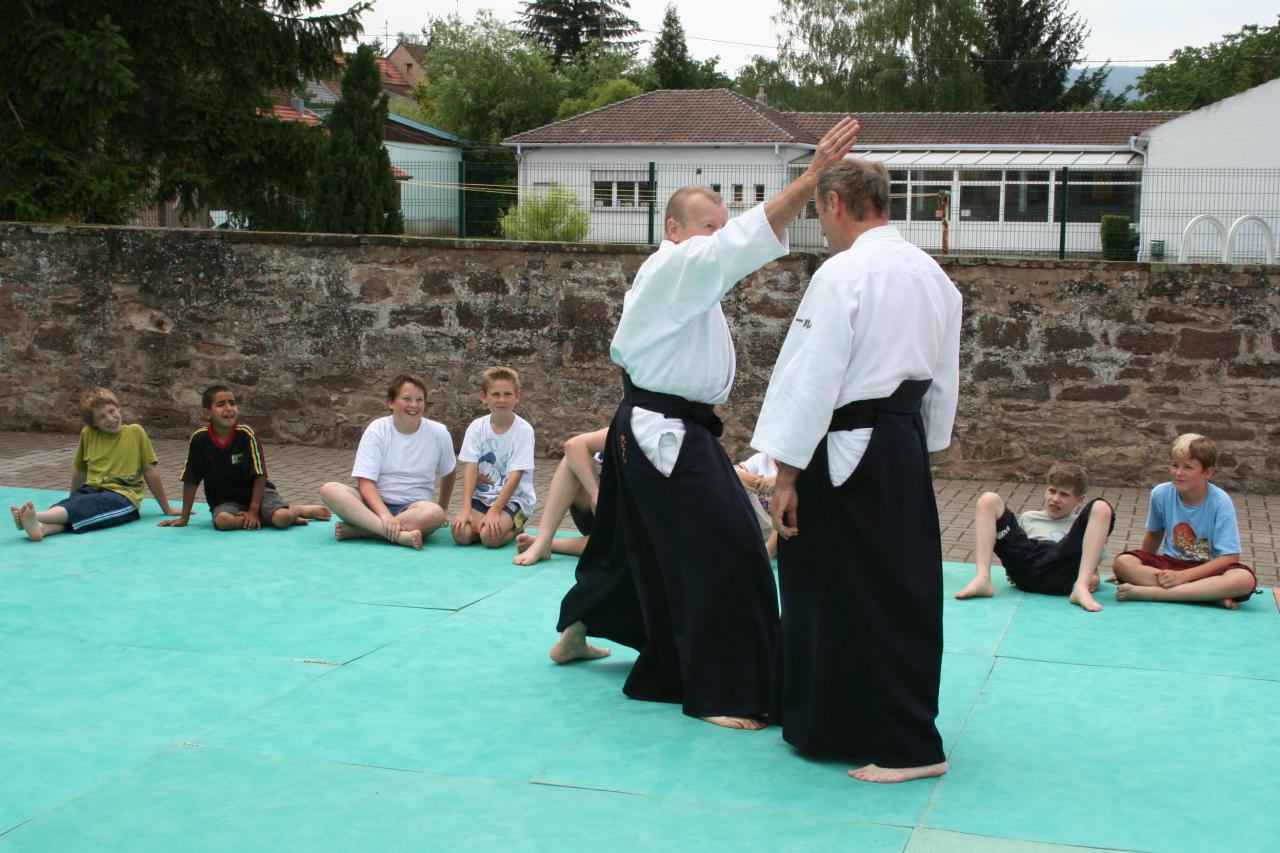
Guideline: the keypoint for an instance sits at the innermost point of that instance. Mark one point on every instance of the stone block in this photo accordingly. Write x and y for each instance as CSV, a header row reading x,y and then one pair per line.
x,y
1254,370
996,332
1058,373
1094,393
1195,343
1065,339
1139,339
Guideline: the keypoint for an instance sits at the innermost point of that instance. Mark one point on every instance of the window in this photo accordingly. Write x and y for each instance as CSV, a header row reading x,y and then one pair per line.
x,y
620,188
759,193
926,184
979,195
1026,195
715,188
898,194
737,193
1091,194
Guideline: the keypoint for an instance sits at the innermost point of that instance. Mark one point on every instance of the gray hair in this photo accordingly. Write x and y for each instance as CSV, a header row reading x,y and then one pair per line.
x,y
863,187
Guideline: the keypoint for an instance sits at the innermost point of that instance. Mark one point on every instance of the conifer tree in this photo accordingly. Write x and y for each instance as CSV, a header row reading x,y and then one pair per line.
x,y
566,27
672,66
356,192
1026,53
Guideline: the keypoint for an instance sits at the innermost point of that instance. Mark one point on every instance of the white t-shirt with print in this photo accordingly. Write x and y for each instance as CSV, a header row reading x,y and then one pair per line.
x,y
497,456
404,467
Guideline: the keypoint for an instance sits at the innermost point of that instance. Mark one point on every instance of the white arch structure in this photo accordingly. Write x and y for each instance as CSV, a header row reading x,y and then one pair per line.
x,y
1228,235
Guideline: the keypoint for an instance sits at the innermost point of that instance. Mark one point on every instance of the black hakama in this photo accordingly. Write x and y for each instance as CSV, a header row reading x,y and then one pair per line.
x,y
676,569
861,589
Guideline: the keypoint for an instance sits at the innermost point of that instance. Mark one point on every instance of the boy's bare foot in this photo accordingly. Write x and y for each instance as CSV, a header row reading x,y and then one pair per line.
x,y
1093,582
523,541
1229,603
411,538
299,521
977,588
1129,592
342,531
31,524
873,773
1084,598
17,515
317,511
531,553
747,723
573,645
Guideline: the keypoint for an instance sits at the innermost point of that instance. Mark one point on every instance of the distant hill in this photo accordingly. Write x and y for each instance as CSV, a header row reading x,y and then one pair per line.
x,y
1120,77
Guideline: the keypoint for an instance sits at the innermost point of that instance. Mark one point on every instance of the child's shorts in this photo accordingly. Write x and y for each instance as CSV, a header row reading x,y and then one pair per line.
x,y
518,515
583,519
1038,565
1160,561
271,502
90,508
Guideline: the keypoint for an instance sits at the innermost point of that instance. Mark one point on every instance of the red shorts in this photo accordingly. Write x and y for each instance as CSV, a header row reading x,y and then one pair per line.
x,y
1160,561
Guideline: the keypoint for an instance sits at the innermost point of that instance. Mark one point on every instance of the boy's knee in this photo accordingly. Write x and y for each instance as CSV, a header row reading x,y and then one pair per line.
x,y
991,501
331,491
227,521
1100,510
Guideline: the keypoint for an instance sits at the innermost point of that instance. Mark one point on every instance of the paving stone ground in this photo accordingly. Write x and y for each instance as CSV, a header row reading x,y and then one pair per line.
x,y
43,461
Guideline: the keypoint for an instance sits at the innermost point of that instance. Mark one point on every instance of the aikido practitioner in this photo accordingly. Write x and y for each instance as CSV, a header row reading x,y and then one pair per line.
x,y
675,567
864,388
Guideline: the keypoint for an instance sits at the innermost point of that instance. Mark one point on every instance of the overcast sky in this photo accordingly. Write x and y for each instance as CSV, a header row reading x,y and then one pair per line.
x,y
1126,32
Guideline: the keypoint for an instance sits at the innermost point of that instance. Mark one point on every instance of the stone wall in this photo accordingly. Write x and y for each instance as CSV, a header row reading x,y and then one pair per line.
x,y
1101,363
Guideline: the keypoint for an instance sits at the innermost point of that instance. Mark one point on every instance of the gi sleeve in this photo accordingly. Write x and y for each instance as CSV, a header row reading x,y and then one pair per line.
x,y
938,409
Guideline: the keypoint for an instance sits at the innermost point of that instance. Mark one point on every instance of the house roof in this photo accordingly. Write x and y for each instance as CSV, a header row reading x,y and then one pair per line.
x,y
417,51
710,116
718,116
392,80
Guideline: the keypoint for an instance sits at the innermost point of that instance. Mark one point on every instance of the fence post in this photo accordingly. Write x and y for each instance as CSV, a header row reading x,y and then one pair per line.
x,y
1062,226
653,192
462,199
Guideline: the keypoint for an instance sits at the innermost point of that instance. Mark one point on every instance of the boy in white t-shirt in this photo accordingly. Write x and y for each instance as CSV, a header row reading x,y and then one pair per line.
x,y
1054,551
759,476
397,464
497,466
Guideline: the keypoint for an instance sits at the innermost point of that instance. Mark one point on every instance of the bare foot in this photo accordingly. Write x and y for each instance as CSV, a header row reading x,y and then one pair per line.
x,y
1229,603
411,538
1084,598
318,512
31,524
873,773
747,723
1093,582
342,531
977,588
573,645
1129,592
17,516
523,541
530,553
299,521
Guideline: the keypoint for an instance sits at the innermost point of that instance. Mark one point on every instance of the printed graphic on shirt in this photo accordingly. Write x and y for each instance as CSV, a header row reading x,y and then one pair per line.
x,y
1187,547
494,468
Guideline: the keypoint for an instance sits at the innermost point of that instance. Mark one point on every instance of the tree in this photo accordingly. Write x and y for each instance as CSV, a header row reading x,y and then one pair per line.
x,y
763,73
112,104
484,82
566,27
599,95
673,67
356,192
890,55
1203,75
555,214
1026,52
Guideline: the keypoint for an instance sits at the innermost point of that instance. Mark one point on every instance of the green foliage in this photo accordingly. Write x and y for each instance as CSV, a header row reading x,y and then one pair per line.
x,y
566,27
673,67
486,82
1119,240
556,214
881,54
1025,53
356,192
1198,76
599,95
762,72
112,104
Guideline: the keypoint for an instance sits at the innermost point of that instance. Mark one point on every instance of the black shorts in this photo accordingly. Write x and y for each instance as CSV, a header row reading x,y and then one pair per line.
x,y
1038,565
584,520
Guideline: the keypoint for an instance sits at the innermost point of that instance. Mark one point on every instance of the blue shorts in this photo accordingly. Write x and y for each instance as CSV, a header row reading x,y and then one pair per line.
x,y
396,509
518,516
90,508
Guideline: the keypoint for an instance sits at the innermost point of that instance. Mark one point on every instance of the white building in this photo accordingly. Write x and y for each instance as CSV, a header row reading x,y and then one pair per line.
x,y
1011,182
1223,161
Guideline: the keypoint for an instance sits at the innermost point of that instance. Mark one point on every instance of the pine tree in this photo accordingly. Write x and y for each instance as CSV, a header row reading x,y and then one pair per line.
x,y
565,27
1026,53
672,66
356,192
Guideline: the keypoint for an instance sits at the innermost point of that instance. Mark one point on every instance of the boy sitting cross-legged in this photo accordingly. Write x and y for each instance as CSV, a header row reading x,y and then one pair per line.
x,y
227,457
1054,551
399,460
1196,523
498,448
113,459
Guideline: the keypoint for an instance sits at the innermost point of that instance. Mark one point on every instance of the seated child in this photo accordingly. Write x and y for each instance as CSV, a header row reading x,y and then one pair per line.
x,y
759,476
574,489
497,466
397,463
1196,522
1054,551
227,457
112,461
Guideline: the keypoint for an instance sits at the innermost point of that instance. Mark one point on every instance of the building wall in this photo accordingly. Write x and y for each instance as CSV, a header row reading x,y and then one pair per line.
x,y
1080,360
430,210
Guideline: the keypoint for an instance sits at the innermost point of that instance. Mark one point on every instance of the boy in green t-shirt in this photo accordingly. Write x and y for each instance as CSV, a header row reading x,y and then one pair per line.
x,y
112,461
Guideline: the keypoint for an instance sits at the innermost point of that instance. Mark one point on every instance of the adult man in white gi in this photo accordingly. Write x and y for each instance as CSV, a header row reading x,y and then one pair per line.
x,y
675,567
864,388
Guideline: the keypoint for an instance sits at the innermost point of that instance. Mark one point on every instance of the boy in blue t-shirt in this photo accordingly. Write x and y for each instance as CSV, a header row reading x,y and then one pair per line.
x,y
1196,522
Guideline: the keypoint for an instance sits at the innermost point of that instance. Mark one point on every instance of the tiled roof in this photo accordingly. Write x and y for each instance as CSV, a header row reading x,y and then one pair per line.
x,y
417,51
392,79
711,116
718,116
284,112
881,130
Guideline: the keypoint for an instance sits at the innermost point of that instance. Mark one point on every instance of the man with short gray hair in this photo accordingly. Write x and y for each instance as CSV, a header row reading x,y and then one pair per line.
x,y
864,388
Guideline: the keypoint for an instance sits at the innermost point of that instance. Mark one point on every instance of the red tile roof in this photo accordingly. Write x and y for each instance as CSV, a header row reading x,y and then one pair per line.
x,y
718,116
283,112
417,51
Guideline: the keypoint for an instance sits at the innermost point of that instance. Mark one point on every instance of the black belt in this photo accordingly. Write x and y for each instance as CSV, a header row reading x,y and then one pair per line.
x,y
703,414
861,414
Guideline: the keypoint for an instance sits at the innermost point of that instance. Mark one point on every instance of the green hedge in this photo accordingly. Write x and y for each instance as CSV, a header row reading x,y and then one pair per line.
x,y
1119,240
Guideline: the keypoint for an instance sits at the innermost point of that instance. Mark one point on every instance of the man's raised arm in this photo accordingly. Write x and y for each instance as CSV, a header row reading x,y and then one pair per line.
x,y
784,207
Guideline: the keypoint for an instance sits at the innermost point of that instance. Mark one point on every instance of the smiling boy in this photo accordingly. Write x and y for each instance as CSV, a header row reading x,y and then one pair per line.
x,y
497,466
1196,522
113,460
227,457
1053,551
